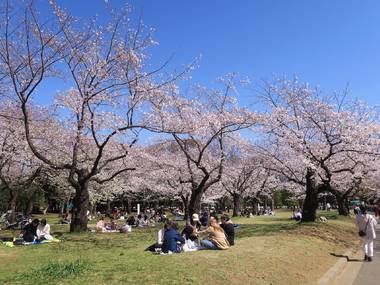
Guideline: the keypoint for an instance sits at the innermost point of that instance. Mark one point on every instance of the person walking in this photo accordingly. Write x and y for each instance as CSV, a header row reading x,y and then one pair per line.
x,y
366,224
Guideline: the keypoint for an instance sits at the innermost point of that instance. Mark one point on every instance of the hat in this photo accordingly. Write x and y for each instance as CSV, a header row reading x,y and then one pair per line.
x,y
195,217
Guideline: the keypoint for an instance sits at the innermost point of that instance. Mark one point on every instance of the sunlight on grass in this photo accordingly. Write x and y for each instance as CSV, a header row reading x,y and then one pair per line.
x,y
265,252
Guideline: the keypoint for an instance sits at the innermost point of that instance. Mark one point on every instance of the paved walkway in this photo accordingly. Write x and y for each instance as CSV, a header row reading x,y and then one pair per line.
x,y
369,273
356,271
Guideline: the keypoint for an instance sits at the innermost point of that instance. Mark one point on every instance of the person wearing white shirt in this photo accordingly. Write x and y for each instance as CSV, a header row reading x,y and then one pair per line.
x,y
156,247
43,231
366,224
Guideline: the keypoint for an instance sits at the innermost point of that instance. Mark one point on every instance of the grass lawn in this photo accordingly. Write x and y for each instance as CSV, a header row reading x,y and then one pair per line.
x,y
268,250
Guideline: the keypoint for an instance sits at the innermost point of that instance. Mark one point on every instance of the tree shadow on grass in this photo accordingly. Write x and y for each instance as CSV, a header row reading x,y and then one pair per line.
x,y
346,257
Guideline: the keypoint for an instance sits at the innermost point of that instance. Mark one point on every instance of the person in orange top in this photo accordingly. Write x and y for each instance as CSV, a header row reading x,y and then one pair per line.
x,y
216,237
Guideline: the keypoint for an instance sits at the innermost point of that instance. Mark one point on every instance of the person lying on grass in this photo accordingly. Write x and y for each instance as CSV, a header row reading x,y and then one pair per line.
x,y
216,237
172,238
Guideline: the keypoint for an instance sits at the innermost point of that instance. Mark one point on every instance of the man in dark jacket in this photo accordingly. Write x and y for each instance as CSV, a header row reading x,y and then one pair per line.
x,y
172,238
29,233
228,228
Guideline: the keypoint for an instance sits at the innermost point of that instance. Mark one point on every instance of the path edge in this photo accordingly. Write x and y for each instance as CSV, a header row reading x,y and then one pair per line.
x,y
336,269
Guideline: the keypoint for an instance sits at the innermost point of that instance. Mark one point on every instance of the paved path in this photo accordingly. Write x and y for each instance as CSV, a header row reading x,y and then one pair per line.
x,y
369,273
357,272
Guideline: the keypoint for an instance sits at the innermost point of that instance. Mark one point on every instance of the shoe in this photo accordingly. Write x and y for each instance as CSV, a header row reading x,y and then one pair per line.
x,y
365,257
369,258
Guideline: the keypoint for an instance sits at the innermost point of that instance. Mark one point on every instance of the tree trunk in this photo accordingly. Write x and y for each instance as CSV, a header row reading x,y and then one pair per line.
x,y
67,206
265,203
93,210
81,203
237,204
12,205
129,206
342,205
62,209
255,206
185,203
30,205
195,202
310,205
108,211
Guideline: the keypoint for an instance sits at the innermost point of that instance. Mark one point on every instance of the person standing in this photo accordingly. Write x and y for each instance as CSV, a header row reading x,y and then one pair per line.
x,y
366,224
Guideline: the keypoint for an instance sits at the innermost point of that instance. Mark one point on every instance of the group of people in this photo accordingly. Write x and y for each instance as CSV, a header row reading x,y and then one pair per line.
x,y
36,231
216,236
112,227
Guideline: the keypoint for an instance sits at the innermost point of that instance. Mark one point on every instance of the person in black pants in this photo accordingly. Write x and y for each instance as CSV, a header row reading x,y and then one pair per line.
x,y
29,232
228,228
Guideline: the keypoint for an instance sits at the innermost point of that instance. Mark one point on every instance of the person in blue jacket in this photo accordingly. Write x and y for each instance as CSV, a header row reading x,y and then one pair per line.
x,y
172,238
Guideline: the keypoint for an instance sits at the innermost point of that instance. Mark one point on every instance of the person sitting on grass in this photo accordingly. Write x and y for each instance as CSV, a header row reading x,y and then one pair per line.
x,y
131,221
140,221
204,219
111,227
216,237
101,225
297,215
143,221
29,233
63,220
126,228
157,247
43,231
172,239
229,229
190,233
191,230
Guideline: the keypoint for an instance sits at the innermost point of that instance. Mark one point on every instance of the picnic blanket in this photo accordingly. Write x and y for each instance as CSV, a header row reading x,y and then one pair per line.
x,y
11,244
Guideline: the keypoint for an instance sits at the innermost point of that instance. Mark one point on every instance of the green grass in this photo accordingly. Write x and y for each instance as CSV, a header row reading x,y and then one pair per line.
x,y
53,272
266,250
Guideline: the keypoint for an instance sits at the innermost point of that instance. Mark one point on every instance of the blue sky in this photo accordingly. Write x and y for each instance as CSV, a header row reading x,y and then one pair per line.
x,y
326,43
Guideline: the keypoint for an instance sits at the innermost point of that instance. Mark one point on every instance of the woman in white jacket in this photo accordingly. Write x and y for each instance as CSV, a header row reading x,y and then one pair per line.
x,y
366,223
43,231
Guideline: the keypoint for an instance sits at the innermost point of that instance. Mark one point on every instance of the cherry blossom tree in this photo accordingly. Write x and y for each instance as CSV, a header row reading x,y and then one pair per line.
x,y
98,116
18,167
200,125
322,143
244,174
